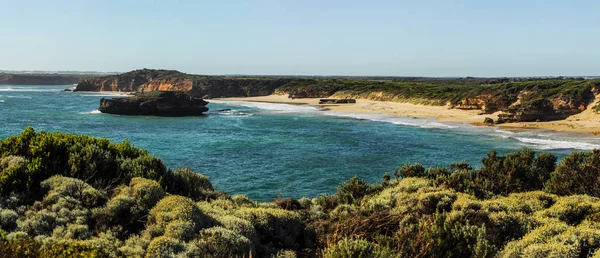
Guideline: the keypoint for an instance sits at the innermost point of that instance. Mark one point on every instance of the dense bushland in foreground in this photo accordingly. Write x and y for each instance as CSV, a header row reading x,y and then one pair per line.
x,y
67,195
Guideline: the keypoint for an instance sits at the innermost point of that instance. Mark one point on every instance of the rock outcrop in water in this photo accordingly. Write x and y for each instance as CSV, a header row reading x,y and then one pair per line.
x,y
156,103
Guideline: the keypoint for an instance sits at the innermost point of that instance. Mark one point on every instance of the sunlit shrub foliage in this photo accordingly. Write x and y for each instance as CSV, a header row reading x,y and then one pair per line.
x,y
64,195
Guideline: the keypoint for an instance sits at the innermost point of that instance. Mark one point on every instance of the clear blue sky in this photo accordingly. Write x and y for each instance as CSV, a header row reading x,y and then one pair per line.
x,y
312,37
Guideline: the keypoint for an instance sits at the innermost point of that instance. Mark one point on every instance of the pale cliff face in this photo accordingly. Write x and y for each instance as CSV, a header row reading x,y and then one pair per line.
x,y
168,85
133,86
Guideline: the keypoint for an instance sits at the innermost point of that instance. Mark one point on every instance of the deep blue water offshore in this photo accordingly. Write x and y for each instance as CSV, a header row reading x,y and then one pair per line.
x,y
262,149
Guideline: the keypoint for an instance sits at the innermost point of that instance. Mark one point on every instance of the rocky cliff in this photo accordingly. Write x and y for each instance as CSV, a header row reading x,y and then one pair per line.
x,y
155,103
166,80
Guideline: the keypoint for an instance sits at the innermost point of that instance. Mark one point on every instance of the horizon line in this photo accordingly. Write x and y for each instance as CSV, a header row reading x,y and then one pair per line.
x,y
79,72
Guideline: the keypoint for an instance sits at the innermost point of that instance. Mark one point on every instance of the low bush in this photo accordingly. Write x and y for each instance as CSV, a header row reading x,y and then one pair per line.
x,y
352,191
517,205
355,247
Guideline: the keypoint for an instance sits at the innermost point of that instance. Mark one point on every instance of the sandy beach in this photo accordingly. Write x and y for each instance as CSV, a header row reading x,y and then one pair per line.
x,y
584,122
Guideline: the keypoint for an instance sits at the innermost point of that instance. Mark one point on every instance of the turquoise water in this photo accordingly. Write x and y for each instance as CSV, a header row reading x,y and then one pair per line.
x,y
262,149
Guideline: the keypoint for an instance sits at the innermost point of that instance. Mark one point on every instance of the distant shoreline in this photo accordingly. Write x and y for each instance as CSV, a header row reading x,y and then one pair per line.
x,y
584,122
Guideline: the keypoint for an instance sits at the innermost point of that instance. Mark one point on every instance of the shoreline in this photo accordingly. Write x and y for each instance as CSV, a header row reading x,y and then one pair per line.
x,y
584,122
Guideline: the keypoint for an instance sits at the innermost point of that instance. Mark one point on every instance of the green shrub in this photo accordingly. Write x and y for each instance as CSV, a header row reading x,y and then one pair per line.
x,y
130,206
28,247
177,209
107,242
91,163
242,200
577,173
327,202
66,187
352,191
556,239
240,226
519,171
290,204
96,161
13,173
277,229
145,166
410,170
355,248
220,242
572,209
188,183
8,219
285,254
164,247
135,246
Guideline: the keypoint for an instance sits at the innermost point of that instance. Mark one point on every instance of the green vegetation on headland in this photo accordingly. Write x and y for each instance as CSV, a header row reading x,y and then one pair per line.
x,y
65,195
520,99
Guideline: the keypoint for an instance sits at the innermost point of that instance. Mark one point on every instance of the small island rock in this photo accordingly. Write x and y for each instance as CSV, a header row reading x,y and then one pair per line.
x,y
155,103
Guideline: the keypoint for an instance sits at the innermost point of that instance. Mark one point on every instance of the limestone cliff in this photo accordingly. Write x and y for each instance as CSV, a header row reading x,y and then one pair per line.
x,y
166,80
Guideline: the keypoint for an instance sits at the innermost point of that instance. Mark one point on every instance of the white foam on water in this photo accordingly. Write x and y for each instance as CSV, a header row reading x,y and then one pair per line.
x,y
548,144
9,89
274,107
91,112
18,97
1,101
535,139
399,120
230,113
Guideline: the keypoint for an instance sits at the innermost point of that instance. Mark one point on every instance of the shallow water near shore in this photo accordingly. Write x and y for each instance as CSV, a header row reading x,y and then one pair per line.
x,y
263,149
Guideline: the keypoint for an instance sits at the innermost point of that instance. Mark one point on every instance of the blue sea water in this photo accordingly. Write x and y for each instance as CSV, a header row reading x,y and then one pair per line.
x,y
263,150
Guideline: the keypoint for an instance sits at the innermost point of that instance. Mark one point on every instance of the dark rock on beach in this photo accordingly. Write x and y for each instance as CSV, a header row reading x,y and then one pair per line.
x,y
488,121
336,101
155,103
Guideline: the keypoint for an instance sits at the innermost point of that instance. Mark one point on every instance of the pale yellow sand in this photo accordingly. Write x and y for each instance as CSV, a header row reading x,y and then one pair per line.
x,y
587,121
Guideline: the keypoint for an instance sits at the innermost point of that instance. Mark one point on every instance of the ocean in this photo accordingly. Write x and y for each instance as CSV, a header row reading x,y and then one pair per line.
x,y
266,150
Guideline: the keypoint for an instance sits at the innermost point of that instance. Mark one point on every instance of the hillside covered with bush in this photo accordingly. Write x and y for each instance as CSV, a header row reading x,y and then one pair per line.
x,y
66,195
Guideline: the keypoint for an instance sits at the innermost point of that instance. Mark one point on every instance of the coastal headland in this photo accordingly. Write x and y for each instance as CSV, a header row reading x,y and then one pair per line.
x,y
560,104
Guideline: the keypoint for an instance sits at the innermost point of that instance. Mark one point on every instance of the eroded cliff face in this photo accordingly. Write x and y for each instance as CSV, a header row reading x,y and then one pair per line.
x,y
168,85
202,86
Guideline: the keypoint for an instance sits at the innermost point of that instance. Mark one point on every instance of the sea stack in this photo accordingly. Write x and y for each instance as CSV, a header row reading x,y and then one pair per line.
x,y
155,103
